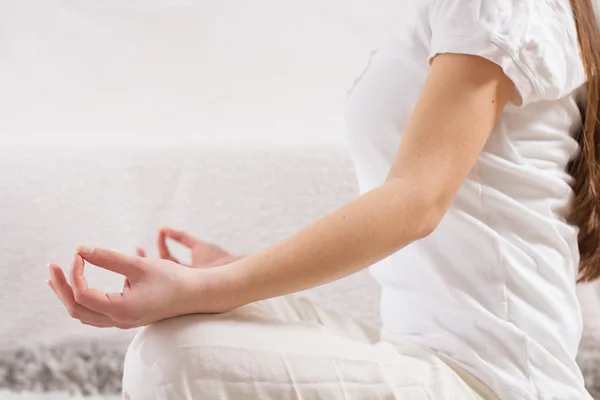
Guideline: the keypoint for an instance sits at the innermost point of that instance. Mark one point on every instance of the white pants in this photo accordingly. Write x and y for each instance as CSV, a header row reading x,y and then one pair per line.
x,y
285,349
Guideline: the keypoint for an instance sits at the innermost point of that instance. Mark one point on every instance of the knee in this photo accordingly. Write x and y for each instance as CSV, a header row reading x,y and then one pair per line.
x,y
171,351
157,356
158,340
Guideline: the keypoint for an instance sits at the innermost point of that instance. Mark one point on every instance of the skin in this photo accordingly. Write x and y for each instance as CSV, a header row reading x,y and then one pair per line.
x,y
458,108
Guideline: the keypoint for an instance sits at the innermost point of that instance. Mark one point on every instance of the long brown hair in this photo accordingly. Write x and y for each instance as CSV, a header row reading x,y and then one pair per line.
x,y
585,169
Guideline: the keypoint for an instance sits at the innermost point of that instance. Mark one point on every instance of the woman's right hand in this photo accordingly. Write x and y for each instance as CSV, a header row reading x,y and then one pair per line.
x,y
204,255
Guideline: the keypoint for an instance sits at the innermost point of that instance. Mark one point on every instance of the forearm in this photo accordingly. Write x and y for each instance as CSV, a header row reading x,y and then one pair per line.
x,y
364,231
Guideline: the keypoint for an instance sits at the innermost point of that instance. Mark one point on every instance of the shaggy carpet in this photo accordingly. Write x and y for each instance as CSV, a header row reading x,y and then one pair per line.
x,y
77,369
9,395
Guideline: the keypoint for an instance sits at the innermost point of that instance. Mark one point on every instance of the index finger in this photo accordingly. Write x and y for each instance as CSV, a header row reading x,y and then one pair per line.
x,y
129,266
185,239
163,249
92,299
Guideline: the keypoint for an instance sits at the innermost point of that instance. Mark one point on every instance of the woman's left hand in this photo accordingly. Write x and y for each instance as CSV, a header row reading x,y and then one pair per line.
x,y
153,290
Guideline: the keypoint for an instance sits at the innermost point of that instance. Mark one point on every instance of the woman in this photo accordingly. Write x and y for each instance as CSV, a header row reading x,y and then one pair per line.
x,y
480,184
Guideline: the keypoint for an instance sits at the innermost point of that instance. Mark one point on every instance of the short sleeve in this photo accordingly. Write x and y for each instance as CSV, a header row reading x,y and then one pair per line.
x,y
535,43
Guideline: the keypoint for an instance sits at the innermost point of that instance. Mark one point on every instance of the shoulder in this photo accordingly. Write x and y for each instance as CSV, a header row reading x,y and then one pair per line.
x,y
534,41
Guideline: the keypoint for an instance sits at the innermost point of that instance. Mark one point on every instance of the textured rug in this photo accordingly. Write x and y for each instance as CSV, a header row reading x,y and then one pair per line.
x,y
79,370
9,395
76,372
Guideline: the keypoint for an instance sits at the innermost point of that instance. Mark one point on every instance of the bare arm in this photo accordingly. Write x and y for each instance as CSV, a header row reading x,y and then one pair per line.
x,y
459,106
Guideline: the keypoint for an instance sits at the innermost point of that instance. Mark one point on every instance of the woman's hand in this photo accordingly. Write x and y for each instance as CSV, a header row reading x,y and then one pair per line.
x,y
153,290
204,255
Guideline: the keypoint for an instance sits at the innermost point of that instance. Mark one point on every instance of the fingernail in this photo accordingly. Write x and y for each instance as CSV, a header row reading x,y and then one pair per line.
x,y
84,250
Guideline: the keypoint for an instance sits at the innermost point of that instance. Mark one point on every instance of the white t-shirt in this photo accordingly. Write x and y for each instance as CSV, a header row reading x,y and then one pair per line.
x,y
493,288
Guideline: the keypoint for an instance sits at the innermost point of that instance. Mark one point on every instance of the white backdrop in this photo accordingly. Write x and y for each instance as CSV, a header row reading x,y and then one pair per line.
x,y
264,70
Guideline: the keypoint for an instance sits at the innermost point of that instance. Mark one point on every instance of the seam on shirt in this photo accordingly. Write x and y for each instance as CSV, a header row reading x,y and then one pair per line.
x,y
535,390
486,219
362,74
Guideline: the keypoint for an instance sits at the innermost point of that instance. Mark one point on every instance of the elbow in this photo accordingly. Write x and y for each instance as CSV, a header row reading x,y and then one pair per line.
x,y
427,206
430,219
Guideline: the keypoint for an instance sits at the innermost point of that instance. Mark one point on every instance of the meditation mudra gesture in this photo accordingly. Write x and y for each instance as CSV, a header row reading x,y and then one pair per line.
x,y
475,134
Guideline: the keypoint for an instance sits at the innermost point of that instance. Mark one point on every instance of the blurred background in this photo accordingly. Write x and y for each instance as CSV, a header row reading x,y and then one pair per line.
x,y
276,71
118,117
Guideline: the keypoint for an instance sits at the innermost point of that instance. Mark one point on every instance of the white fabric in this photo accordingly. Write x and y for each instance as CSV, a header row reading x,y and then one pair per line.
x,y
284,349
494,286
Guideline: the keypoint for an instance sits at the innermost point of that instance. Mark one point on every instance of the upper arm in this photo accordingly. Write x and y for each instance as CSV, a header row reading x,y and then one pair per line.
x,y
458,108
483,54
